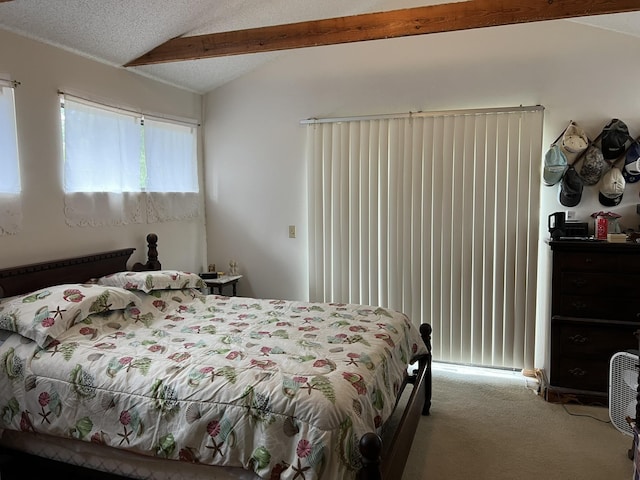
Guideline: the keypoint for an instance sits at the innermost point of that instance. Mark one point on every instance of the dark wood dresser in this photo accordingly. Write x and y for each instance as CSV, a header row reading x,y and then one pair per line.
x,y
595,311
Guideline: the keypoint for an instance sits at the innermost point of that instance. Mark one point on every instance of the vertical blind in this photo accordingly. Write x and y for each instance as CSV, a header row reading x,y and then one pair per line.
x,y
435,215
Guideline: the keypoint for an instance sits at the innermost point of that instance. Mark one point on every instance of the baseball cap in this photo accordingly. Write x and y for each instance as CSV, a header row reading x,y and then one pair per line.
x,y
571,188
593,166
614,139
631,170
612,188
555,163
574,141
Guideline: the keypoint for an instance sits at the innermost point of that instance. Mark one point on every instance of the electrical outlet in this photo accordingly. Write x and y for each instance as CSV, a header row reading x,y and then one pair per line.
x,y
292,231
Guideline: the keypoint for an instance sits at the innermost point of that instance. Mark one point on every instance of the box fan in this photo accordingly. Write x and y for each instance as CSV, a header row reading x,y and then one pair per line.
x,y
623,389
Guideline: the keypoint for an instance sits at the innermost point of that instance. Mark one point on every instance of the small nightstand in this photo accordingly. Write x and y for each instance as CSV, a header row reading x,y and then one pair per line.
x,y
221,282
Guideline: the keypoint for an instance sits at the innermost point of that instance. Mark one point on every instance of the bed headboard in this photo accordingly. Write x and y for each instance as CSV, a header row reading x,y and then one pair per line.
x,y
27,278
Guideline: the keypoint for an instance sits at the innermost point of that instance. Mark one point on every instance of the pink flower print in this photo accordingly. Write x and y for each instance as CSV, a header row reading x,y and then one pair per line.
x,y
134,311
73,295
265,351
125,417
182,308
189,345
98,438
160,305
377,421
44,399
357,328
233,355
304,448
179,357
124,361
206,370
307,328
48,322
131,286
300,380
213,428
156,348
386,338
283,324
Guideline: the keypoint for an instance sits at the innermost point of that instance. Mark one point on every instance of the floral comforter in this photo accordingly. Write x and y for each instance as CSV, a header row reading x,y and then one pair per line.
x,y
282,388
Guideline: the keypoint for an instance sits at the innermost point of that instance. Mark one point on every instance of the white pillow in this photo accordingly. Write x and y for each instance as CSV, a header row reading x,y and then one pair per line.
x,y
46,313
154,280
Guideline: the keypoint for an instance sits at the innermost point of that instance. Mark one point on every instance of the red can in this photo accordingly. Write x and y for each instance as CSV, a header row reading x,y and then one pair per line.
x,y
602,227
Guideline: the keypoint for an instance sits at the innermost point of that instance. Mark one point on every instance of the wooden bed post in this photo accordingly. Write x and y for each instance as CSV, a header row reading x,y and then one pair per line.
x,y
370,448
425,333
152,256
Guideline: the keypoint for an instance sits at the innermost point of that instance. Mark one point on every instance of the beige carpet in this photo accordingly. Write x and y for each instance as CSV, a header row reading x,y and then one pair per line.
x,y
497,428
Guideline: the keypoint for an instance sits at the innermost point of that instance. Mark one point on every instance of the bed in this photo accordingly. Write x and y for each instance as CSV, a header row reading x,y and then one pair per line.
x,y
136,373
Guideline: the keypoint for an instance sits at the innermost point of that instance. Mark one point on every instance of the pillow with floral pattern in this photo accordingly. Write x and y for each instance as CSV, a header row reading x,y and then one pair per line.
x,y
153,280
46,313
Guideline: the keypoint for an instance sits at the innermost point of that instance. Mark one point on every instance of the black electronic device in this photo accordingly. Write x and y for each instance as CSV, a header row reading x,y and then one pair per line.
x,y
576,229
557,225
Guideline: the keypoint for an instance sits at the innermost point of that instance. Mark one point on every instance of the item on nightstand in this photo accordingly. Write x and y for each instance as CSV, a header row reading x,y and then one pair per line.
x,y
616,237
556,224
208,275
233,268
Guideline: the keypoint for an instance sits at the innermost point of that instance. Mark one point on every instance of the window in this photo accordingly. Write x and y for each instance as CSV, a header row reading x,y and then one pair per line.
x,y
435,215
116,151
10,178
10,188
122,166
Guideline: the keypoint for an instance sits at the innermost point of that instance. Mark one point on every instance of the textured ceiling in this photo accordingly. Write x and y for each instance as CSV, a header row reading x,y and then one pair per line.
x,y
118,31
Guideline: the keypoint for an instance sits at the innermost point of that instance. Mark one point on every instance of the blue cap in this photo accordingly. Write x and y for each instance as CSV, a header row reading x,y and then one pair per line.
x,y
555,163
631,170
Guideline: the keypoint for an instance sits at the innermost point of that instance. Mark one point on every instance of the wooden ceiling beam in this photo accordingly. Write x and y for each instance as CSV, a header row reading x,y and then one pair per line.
x,y
446,17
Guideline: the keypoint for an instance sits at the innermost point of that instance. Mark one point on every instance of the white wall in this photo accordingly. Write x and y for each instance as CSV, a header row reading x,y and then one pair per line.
x,y
254,144
42,71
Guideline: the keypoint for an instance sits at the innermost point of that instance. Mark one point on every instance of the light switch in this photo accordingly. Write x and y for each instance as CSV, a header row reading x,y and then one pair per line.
x,y
292,231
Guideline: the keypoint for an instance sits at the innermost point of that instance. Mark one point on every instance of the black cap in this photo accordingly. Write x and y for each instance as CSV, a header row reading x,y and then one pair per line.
x,y
571,188
614,139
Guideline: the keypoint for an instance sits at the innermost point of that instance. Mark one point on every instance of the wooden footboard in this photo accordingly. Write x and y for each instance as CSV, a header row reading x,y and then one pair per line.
x,y
384,456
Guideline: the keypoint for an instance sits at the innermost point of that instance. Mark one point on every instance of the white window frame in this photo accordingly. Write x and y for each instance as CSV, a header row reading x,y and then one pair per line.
x,y
9,159
119,163
135,197
10,182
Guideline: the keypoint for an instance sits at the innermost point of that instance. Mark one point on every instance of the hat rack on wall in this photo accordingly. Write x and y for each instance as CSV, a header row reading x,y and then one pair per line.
x,y
599,157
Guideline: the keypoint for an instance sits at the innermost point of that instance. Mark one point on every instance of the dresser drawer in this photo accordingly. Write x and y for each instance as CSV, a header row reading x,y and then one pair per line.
x,y
598,262
597,306
616,285
580,374
581,350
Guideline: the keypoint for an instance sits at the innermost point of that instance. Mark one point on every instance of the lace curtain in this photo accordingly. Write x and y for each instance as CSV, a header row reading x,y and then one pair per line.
x,y
118,172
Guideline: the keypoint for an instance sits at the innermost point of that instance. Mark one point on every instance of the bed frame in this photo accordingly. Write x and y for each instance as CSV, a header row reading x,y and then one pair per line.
x,y
383,457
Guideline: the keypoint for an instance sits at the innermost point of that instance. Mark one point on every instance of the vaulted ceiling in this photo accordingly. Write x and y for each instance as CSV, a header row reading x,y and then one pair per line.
x,y
202,44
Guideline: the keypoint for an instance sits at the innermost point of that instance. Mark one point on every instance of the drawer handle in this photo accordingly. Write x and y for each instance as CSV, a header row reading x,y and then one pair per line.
x,y
577,372
579,282
588,260
577,338
579,305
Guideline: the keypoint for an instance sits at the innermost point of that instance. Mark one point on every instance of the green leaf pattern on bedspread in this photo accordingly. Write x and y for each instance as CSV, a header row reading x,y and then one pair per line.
x,y
283,388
